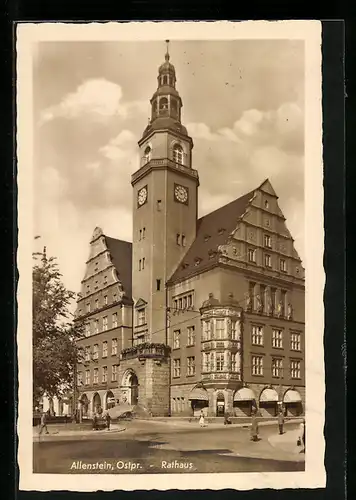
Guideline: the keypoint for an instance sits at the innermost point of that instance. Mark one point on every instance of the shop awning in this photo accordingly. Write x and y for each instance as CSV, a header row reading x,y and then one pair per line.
x,y
269,396
244,394
198,394
292,396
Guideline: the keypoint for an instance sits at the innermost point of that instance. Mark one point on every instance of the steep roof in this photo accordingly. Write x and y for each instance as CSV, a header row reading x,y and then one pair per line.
x,y
121,256
212,230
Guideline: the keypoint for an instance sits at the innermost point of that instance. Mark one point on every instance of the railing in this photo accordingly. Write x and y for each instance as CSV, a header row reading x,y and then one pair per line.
x,y
146,350
213,375
161,163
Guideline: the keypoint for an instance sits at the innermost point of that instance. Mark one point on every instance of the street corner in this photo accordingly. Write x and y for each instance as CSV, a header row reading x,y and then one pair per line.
x,y
287,442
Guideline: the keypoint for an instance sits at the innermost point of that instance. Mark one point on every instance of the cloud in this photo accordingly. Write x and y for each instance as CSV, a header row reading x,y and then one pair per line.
x,y
97,99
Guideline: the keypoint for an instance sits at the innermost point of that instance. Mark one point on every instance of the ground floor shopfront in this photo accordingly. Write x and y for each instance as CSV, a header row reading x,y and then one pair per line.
x,y
239,402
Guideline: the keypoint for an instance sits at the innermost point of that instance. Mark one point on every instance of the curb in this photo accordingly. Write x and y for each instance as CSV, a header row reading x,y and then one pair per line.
x,y
77,433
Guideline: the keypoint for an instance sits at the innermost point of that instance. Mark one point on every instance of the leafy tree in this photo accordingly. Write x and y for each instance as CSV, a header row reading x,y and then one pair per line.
x,y
55,350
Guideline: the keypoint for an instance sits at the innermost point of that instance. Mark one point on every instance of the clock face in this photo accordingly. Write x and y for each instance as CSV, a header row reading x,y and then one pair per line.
x,y
181,193
142,196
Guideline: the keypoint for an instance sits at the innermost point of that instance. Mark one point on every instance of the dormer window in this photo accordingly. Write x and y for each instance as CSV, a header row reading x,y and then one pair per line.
x,y
197,261
185,265
221,230
178,154
266,204
211,254
206,237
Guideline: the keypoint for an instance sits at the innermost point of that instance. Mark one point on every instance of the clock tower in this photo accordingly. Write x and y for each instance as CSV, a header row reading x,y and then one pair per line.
x,y
164,206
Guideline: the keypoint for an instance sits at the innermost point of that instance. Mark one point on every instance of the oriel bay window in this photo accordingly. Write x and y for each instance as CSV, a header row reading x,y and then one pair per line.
x,y
206,330
206,362
235,362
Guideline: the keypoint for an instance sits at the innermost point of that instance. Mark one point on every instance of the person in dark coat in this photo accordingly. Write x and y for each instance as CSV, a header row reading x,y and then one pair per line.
x,y
254,426
280,421
95,422
108,420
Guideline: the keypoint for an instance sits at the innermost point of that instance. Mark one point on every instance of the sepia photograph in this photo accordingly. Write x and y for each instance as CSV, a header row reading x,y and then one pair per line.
x,y
168,183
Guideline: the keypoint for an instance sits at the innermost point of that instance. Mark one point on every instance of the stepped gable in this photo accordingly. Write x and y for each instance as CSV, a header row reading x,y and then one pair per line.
x,y
213,230
121,256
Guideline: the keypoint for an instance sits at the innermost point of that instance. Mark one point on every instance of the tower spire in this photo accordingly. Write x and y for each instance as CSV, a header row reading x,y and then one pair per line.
x,y
167,51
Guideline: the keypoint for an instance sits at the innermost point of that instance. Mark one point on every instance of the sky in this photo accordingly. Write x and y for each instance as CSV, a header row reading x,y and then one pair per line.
x,y
243,105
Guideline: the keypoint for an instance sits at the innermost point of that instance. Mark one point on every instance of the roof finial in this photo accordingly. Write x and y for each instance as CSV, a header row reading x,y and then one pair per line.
x,y
167,53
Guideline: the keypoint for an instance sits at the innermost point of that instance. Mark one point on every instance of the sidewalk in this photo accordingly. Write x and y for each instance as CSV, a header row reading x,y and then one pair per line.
x,y
54,433
287,442
214,425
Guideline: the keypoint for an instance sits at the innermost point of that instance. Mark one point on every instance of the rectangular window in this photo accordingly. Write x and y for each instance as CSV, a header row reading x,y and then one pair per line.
x,y
295,369
158,284
180,303
96,376
96,351
283,265
176,368
143,263
295,341
191,335
87,329
139,265
105,374
105,349
277,367
105,300
190,300
176,339
159,205
191,365
141,317
87,377
257,335
206,362
184,301
251,255
87,353
140,237
219,361
144,233
88,289
257,365
267,241
219,328
79,378
268,260
114,347
114,320
178,239
175,304
206,330
88,307
96,326
105,323
96,303
114,373
235,362
277,338
183,240
234,330
105,280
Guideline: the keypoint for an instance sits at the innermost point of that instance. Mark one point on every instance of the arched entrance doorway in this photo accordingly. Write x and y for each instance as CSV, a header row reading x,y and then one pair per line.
x,y
84,403
199,400
109,400
220,404
130,388
96,403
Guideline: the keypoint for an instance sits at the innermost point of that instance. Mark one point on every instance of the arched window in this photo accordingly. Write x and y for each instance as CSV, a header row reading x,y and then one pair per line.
x,y
178,154
174,107
165,80
163,104
147,155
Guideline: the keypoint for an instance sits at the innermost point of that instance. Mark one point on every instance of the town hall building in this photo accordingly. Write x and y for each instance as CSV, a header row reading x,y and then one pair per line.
x,y
195,313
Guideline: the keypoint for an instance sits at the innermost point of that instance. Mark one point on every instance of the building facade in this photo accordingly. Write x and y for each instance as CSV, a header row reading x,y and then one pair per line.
x,y
196,313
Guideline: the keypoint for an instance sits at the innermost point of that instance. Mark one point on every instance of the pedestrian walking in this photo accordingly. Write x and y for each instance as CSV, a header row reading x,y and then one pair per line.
x,y
95,422
301,437
108,420
202,419
43,425
280,422
254,426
